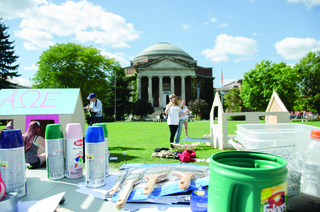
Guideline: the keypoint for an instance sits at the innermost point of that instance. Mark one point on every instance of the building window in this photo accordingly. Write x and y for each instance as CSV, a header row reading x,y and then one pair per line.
x,y
166,86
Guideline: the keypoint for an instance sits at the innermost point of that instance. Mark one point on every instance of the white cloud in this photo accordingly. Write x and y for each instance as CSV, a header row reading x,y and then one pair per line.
x,y
213,20
254,34
296,48
223,25
225,44
308,3
185,26
119,56
10,9
240,59
82,20
32,67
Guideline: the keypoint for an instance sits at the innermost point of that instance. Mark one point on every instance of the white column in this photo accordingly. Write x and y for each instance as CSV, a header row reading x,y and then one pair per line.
x,y
160,91
139,86
172,84
150,90
183,88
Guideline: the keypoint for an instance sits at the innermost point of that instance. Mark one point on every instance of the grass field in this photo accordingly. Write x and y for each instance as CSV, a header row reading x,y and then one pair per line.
x,y
139,139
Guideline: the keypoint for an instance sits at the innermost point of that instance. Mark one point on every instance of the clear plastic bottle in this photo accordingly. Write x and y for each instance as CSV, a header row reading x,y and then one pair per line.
x,y
310,176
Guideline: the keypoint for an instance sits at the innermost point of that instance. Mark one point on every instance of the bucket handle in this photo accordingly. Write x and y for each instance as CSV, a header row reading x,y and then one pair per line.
x,y
240,196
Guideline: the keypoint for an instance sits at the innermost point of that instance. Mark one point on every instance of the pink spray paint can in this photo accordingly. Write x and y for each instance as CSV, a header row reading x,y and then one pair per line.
x,y
74,151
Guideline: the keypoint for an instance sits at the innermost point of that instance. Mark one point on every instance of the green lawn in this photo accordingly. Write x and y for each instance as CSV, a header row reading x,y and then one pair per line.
x,y
139,139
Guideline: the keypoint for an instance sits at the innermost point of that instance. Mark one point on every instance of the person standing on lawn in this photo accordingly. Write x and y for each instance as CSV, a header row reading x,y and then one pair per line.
x,y
185,118
182,118
172,112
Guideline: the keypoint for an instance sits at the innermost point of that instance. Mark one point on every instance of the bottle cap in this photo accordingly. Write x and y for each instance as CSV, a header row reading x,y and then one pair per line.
x,y
104,127
11,139
54,131
315,134
73,130
94,134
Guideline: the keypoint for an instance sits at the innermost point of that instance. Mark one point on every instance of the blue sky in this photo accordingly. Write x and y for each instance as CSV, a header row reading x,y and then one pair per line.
x,y
232,35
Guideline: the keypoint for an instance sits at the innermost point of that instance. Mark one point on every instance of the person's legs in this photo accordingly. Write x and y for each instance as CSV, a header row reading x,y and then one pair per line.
x,y
173,130
42,158
178,133
96,120
185,123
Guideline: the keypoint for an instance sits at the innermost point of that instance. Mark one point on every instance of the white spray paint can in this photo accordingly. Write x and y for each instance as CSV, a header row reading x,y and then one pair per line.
x,y
74,150
54,152
95,157
12,162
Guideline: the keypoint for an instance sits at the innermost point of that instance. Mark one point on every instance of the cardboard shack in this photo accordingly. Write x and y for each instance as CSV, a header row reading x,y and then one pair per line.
x,y
47,106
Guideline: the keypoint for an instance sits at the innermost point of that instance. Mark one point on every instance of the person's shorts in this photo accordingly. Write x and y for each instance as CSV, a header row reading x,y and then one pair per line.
x,y
185,120
36,164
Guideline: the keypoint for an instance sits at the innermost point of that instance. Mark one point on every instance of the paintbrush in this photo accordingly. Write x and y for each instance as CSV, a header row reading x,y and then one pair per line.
x,y
154,175
116,186
187,174
133,177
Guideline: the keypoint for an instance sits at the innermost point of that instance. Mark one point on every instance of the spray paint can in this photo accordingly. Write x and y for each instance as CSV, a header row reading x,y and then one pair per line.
x,y
74,150
54,151
12,162
95,157
107,153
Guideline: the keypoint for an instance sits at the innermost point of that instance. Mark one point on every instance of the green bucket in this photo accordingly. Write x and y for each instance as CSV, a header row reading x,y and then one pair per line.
x,y
242,181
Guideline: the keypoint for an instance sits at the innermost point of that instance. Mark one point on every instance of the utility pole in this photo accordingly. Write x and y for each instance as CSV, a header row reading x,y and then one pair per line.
x,y
221,88
115,96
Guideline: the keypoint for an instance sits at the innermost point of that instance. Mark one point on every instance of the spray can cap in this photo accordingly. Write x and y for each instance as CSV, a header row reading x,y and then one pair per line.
x,y
104,127
54,131
11,139
315,134
94,134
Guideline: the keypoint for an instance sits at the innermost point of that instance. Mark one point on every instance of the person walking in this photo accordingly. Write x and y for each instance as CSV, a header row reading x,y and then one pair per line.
x,y
95,109
172,112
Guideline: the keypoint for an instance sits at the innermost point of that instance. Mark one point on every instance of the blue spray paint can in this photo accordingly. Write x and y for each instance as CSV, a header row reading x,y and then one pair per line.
x,y
95,157
12,161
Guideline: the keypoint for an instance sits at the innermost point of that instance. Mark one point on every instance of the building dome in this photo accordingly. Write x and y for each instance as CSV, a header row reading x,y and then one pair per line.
x,y
160,50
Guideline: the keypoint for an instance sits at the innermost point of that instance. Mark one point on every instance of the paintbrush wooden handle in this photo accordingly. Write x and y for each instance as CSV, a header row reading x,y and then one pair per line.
x,y
185,181
150,186
124,195
115,188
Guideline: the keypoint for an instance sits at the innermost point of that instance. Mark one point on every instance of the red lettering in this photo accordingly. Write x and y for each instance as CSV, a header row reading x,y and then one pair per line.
x,y
12,99
78,143
45,99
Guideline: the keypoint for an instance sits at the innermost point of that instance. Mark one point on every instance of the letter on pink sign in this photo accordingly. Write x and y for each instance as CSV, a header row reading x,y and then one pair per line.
x,y
7,99
45,99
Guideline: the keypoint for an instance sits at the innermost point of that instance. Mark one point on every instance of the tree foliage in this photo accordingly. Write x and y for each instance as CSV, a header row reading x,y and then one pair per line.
x,y
142,108
259,84
71,65
124,92
7,58
233,101
198,106
308,89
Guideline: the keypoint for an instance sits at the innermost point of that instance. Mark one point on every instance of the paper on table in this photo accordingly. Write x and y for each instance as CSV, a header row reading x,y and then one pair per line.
x,y
47,205
98,192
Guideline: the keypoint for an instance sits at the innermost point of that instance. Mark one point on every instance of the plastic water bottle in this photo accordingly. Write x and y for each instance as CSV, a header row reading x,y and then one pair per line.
x,y
310,176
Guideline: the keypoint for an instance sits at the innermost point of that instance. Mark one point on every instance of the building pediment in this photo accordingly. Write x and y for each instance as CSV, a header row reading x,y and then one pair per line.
x,y
166,63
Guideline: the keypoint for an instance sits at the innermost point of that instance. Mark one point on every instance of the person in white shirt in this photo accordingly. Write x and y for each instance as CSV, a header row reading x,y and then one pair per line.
x,y
172,112
183,119
95,109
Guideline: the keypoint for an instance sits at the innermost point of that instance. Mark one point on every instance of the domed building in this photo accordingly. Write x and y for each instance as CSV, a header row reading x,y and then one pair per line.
x,y
164,69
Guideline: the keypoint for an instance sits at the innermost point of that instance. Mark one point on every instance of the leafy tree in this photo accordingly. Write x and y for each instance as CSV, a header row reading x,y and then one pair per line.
x,y
233,101
124,91
142,108
309,86
198,106
71,65
7,58
259,84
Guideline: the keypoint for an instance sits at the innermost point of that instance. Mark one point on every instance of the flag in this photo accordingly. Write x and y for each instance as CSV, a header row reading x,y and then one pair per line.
x,y
221,77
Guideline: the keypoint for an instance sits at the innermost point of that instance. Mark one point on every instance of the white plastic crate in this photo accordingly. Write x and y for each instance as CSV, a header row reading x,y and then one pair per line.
x,y
256,136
